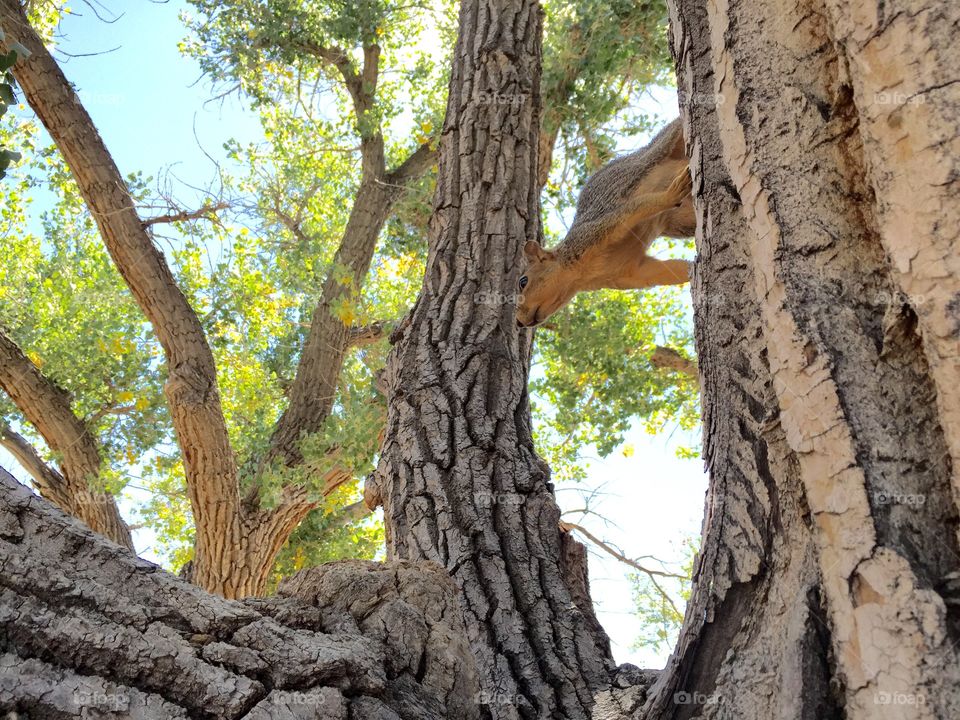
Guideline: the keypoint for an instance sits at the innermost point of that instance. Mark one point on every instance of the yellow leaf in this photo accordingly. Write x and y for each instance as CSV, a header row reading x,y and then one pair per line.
x,y
628,451
125,396
36,359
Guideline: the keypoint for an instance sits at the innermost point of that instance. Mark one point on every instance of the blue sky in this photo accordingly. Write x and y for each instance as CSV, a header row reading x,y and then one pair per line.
x,y
152,109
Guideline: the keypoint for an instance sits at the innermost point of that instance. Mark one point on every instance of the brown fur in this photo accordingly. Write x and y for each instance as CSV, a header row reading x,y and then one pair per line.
x,y
621,209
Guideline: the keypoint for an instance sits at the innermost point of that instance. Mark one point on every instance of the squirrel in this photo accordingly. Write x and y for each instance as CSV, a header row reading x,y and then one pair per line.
x,y
621,209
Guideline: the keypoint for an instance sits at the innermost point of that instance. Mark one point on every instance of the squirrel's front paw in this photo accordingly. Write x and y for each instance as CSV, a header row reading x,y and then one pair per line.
x,y
681,186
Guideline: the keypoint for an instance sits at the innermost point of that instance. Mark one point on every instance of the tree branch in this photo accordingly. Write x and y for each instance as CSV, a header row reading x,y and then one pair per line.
x,y
191,389
314,387
361,335
48,409
48,481
415,166
652,574
568,526
207,211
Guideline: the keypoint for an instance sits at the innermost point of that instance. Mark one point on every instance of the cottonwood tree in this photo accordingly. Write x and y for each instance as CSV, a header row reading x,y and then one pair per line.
x,y
302,211
825,297
236,537
823,140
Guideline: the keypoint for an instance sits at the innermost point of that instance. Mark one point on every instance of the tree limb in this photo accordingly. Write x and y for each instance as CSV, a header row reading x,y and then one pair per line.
x,y
361,335
207,211
415,166
652,574
191,389
47,480
314,387
48,409
568,526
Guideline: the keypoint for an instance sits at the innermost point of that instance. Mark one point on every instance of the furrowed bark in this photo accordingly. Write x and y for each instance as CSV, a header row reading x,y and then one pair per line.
x,y
825,588
191,387
458,478
236,542
49,410
357,640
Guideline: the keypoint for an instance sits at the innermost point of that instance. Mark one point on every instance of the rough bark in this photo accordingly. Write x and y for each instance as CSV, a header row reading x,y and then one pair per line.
x,y
48,408
825,211
191,387
236,542
458,478
88,630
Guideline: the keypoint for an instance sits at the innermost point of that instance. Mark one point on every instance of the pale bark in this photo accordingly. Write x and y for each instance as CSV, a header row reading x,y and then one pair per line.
x,y
458,477
88,630
48,408
825,584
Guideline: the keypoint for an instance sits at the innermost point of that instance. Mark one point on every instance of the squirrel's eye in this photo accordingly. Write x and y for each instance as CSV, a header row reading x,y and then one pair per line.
x,y
523,282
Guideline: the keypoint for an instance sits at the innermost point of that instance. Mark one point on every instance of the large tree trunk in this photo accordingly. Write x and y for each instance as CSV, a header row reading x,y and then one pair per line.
x,y
824,143
458,478
88,630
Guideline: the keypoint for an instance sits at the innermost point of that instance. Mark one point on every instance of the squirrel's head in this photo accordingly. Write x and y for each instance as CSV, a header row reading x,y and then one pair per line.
x,y
544,286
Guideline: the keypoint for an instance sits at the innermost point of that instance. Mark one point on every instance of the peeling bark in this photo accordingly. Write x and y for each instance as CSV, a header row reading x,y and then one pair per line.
x,y
824,586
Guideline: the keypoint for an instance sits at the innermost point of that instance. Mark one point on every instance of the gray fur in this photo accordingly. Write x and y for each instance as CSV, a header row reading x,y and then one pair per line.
x,y
609,186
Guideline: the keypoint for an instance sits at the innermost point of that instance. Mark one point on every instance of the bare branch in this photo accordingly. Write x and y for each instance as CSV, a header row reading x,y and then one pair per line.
x,y
616,553
652,574
205,212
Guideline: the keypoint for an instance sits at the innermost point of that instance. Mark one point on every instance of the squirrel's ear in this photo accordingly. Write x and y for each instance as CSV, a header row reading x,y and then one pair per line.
x,y
534,251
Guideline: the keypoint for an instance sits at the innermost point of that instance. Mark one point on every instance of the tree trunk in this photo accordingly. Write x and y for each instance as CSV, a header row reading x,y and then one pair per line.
x,y
88,630
458,477
824,145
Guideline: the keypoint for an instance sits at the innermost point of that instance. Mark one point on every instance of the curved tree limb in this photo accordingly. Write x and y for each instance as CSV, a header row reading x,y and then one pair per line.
x,y
47,408
191,388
